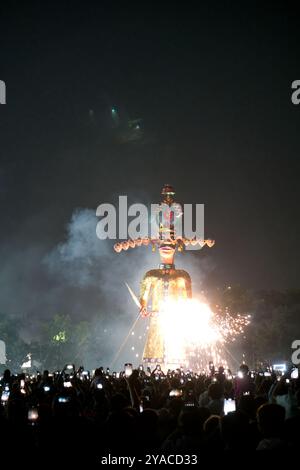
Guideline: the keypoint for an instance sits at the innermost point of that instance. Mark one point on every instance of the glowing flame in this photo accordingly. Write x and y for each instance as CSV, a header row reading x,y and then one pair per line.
x,y
191,327
189,320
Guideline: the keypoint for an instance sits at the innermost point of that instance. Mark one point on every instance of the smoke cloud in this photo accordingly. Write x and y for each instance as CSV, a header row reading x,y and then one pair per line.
x,y
83,277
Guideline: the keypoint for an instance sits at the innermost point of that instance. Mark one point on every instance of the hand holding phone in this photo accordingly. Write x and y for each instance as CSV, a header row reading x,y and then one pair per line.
x,y
128,369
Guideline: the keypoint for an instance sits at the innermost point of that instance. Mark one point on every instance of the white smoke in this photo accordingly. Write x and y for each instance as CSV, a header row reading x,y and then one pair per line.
x,y
81,255
84,278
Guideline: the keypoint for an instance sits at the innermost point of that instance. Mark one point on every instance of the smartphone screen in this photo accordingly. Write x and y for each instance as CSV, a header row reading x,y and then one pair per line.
x,y
5,396
63,399
229,405
33,414
175,393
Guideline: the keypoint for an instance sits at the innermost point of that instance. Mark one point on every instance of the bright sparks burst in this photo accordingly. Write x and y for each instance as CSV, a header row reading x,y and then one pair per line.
x,y
193,333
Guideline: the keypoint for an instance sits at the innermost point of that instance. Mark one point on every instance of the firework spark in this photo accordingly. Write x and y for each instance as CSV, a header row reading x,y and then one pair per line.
x,y
193,333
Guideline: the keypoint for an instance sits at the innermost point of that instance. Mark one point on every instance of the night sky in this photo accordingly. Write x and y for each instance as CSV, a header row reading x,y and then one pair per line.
x,y
210,85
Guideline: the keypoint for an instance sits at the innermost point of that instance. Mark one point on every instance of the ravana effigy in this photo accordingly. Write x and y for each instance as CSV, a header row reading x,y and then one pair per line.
x,y
165,283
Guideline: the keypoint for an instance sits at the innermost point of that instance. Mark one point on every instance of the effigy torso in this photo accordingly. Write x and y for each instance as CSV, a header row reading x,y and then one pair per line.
x,y
158,286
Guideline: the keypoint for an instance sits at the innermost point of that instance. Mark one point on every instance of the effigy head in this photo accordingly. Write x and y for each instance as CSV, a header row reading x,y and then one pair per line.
x,y
166,252
168,194
166,247
118,247
166,240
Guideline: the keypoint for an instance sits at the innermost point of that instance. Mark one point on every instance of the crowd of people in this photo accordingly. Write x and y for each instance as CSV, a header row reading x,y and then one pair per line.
x,y
77,414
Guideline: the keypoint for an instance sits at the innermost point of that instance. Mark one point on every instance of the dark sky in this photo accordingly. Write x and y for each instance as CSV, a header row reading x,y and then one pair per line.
x,y
211,84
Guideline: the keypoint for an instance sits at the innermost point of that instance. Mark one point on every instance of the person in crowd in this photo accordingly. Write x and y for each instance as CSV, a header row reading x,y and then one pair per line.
x,y
270,420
